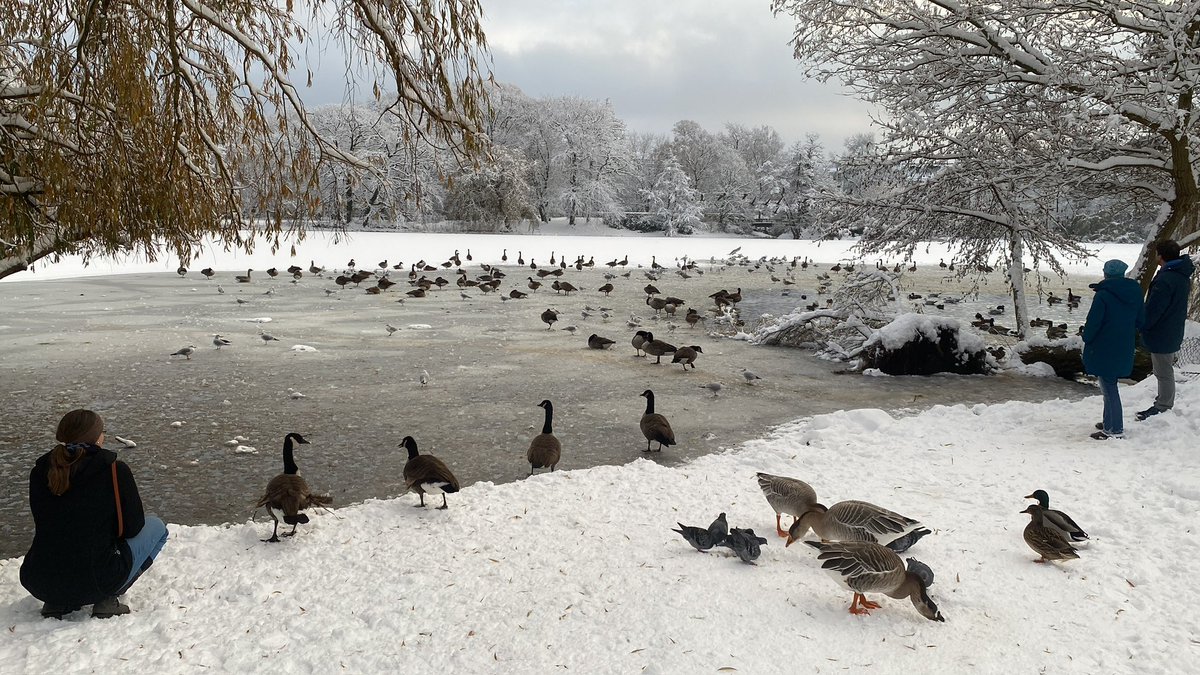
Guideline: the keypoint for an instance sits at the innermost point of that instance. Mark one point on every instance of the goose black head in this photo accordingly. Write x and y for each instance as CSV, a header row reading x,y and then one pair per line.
x,y
410,444
647,394
295,437
546,404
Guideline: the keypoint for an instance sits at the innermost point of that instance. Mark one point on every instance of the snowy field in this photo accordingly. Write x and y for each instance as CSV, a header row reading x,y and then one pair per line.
x,y
579,571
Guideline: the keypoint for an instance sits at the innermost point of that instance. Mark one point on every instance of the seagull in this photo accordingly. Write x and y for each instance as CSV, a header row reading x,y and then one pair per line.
x,y
735,250
464,295
186,351
571,329
750,377
714,387
390,329
267,337
424,377
219,342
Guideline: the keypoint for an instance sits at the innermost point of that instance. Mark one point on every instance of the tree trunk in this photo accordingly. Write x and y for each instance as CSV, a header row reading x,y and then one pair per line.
x,y
1185,207
1016,281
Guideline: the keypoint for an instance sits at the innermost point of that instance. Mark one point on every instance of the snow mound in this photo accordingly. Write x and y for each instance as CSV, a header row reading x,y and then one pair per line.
x,y
303,348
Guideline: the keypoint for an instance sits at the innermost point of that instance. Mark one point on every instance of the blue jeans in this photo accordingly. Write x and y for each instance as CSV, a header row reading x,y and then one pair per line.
x,y
144,546
1114,422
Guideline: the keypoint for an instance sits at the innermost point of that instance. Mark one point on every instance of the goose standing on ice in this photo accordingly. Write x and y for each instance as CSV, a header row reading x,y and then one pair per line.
x,y
654,426
545,450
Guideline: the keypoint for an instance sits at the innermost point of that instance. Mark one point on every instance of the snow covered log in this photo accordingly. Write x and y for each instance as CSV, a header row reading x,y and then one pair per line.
x,y
1065,356
918,344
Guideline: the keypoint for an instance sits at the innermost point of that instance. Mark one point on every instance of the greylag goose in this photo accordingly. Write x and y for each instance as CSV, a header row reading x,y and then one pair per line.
x,y
545,449
854,520
863,567
289,492
786,495
654,426
426,474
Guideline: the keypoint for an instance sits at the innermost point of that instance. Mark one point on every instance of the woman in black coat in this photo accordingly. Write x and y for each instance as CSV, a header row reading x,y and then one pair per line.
x,y
91,538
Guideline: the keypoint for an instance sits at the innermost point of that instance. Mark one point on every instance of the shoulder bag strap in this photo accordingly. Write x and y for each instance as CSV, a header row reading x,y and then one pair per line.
x,y
117,494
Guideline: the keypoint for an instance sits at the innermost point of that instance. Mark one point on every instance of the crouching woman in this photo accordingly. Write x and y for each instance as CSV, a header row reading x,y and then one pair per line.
x,y
91,539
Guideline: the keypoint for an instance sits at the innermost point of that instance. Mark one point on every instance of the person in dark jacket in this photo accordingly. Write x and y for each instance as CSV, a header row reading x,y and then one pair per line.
x,y
1166,312
79,554
1112,324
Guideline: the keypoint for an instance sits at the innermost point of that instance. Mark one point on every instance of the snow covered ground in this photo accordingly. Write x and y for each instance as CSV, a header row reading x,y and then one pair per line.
x,y
579,570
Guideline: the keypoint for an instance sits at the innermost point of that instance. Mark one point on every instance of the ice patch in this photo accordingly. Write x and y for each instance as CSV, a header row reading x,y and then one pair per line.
x,y
303,348
419,326
259,319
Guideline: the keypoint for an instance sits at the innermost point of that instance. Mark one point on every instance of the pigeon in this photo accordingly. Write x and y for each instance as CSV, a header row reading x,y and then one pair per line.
x,y
698,537
744,543
219,342
714,387
267,337
719,528
750,377
186,351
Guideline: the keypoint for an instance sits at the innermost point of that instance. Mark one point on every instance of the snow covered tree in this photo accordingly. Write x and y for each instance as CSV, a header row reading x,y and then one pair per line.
x,y
493,194
1133,67
674,201
134,124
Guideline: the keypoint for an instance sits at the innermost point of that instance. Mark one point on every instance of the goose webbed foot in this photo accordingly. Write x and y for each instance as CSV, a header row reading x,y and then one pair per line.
x,y
444,504
273,540
779,527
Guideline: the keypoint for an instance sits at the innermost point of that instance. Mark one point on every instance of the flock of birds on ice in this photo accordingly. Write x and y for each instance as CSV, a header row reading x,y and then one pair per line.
x,y
859,542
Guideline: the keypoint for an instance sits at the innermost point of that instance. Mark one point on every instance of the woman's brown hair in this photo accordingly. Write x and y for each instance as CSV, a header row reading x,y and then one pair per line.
x,y
76,427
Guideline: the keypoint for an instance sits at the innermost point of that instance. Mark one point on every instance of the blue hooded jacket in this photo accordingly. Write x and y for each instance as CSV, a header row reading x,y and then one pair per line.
x,y
1166,306
1111,328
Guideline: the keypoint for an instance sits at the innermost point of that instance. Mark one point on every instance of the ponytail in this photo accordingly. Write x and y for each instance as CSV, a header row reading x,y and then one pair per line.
x,y
76,430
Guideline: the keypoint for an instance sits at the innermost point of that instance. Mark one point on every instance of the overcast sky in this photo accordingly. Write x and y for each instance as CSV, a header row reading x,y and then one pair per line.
x,y
661,61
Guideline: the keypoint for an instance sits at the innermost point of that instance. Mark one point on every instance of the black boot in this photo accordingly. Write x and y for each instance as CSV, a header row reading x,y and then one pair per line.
x,y
52,611
109,607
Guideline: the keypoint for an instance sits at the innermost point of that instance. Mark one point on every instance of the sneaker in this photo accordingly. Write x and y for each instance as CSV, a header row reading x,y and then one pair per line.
x,y
1104,436
52,611
1148,412
109,607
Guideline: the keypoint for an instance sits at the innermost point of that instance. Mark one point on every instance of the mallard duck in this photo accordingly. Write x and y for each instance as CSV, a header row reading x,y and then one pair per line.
x,y
545,449
657,348
854,520
864,567
1046,541
655,427
289,492
597,342
427,474
687,356
1057,519
786,495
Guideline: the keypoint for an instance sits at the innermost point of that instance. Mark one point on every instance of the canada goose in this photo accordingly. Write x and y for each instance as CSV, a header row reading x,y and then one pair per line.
x,y
545,449
313,269
651,289
639,339
687,356
656,348
549,317
863,567
655,427
290,493
182,271
656,303
786,495
219,342
1046,541
606,289
517,295
693,317
735,297
186,352
564,286
597,342
207,272
533,285
243,279
521,259
504,256
272,272
1072,299
1057,519
853,520
426,474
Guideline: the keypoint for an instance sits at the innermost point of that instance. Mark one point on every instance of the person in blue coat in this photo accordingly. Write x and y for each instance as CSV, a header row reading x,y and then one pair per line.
x,y
1112,324
1166,312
